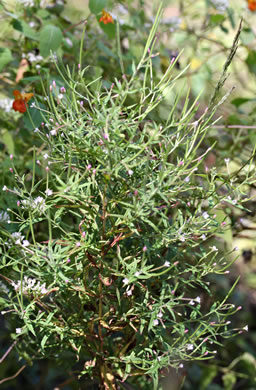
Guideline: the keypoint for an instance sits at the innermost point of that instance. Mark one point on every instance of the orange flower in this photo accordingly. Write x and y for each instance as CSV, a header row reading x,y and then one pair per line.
x,y
252,5
20,100
106,17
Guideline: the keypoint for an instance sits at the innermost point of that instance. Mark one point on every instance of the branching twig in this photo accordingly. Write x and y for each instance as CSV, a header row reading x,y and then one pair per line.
x,y
13,376
8,351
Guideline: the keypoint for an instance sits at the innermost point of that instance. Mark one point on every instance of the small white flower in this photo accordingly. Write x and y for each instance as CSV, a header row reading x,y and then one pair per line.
x,y
220,5
203,236
160,315
53,132
236,248
4,217
18,330
43,289
198,299
226,160
27,3
182,238
5,188
25,243
187,179
69,42
60,96
190,347
17,237
191,302
205,215
137,273
155,322
46,156
181,365
130,172
125,281
48,192
33,105
6,104
129,292
215,249
167,264
245,328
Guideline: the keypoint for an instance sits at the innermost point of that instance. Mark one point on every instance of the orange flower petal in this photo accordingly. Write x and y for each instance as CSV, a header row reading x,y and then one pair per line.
x,y
17,94
27,96
19,105
106,17
252,5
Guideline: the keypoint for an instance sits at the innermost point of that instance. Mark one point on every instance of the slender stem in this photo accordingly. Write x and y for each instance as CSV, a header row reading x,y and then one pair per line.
x,y
81,46
31,228
8,351
34,168
119,47
13,376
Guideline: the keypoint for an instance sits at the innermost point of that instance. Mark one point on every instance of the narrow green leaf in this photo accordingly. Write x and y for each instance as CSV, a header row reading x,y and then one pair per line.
x,y
45,338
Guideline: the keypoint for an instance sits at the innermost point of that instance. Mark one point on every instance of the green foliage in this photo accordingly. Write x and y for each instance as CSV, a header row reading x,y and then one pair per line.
x,y
50,40
96,6
111,52
5,57
110,245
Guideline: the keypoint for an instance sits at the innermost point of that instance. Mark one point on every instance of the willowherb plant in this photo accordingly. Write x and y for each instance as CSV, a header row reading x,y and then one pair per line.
x,y
107,272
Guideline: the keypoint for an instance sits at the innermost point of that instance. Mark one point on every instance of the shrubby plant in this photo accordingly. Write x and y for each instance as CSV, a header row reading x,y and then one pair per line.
x,y
103,258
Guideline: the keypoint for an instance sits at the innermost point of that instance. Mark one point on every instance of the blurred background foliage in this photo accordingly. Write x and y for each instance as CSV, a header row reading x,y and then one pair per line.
x,y
201,34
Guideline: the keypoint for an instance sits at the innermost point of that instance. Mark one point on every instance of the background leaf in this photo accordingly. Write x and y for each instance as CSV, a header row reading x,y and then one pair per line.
x,y
7,139
96,6
50,40
25,29
5,57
